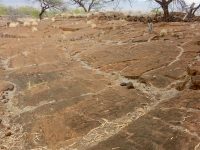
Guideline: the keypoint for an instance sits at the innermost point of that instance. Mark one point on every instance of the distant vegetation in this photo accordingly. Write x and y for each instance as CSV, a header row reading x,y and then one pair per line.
x,y
76,11
53,12
19,11
48,8
26,11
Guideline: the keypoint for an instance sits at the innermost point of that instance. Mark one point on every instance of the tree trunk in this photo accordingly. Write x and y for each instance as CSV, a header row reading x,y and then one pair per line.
x,y
41,13
84,9
166,12
81,5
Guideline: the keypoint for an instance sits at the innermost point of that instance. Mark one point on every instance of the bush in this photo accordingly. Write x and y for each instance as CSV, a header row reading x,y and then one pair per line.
x,y
26,10
3,10
77,11
20,11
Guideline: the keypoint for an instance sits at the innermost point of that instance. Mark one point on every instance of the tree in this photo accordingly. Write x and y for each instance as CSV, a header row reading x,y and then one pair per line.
x,y
87,5
48,4
164,4
192,11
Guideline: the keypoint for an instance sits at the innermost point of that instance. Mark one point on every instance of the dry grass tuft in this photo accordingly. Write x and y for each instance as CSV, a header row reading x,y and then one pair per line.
x,y
89,15
89,22
34,29
27,24
13,24
163,32
35,23
96,13
63,15
93,25
53,19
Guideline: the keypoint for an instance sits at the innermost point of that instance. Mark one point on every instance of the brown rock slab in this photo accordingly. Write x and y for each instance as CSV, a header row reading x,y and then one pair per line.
x,y
67,77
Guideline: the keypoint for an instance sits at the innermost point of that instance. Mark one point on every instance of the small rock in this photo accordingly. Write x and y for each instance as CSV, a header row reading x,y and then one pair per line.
x,y
8,133
3,97
180,86
123,84
3,147
130,85
5,101
142,80
196,80
6,87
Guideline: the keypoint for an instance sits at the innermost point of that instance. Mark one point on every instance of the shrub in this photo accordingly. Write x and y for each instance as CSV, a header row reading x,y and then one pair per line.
x,y
93,25
34,29
13,24
27,24
34,23
26,10
77,11
163,32
3,10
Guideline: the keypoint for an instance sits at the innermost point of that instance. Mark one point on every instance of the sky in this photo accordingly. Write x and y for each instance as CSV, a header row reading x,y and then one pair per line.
x,y
138,5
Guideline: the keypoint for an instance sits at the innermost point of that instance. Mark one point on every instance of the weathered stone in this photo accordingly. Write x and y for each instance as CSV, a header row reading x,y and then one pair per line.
x,y
193,71
6,86
196,80
180,85
68,75
8,133
123,84
129,85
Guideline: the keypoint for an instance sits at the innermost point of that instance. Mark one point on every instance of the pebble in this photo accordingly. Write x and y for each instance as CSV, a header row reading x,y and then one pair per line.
x,y
5,101
123,84
8,133
3,97
2,113
129,85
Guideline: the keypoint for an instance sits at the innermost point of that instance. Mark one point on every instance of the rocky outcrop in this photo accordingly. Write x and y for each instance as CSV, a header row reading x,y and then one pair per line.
x,y
81,83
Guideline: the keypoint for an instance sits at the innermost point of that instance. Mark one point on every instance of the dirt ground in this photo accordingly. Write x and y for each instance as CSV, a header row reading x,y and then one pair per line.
x,y
89,84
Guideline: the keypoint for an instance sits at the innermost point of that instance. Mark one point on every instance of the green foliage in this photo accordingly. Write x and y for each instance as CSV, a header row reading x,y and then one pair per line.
x,y
22,11
3,10
77,11
26,10
53,12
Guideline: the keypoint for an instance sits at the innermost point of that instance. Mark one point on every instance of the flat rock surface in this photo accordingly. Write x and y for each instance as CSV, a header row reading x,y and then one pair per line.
x,y
60,86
